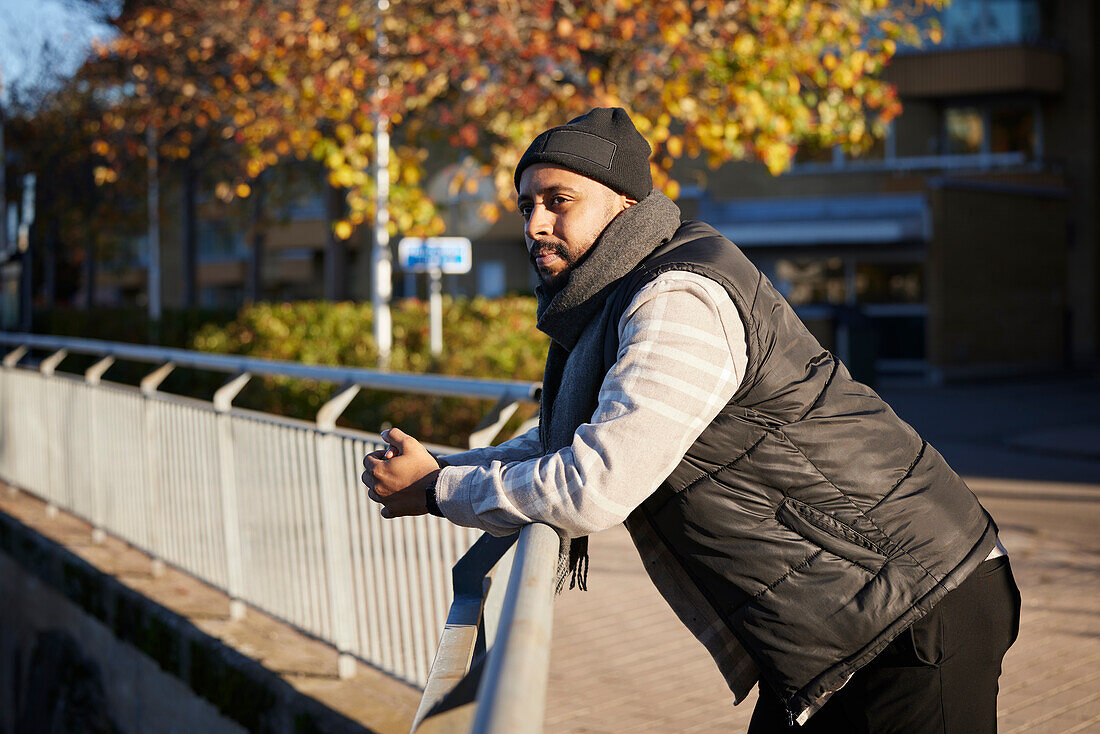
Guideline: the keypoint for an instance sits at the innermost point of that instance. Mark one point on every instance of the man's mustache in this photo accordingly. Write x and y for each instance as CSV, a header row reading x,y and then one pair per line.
x,y
542,246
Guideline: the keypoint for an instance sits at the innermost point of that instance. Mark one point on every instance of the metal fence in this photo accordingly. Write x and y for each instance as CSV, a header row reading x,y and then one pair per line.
x,y
272,511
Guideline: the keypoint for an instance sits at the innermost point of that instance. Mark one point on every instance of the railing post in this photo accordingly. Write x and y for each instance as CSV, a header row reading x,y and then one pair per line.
x,y
490,425
11,359
92,377
337,534
47,367
155,520
234,572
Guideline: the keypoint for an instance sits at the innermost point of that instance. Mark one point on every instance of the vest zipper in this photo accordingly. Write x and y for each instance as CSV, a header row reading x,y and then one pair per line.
x,y
790,718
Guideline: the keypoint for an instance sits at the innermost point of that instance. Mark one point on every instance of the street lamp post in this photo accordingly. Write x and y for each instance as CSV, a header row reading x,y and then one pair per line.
x,y
153,223
381,263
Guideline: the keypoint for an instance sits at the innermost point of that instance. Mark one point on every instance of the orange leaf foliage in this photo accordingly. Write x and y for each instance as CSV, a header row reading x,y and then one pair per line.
x,y
309,78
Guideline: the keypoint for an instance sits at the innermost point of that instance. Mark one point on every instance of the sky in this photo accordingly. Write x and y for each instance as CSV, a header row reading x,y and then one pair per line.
x,y
26,25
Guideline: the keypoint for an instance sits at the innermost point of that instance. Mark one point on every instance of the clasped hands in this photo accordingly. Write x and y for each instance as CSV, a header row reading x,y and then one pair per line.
x,y
397,476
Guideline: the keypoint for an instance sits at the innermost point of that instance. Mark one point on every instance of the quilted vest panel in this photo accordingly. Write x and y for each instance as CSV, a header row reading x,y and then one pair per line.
x,y
816,522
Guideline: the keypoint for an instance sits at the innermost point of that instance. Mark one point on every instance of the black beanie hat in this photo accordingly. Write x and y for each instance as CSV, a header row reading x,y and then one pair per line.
x,y
602,145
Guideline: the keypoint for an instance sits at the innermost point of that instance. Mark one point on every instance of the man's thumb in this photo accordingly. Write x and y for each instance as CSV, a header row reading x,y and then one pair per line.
x,y
398,438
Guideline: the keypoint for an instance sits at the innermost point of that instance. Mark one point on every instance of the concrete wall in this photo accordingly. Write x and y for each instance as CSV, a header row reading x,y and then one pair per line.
x,y
63,670
81,653
996,284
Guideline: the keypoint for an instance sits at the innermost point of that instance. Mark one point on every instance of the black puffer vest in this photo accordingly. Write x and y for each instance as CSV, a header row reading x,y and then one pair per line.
x,y
816,522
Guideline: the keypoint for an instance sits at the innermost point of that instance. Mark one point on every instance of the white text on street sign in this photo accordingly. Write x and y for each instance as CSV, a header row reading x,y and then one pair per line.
x,y
445,254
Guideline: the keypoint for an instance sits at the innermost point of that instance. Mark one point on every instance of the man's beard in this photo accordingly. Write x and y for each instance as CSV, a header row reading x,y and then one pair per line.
x,y
552,283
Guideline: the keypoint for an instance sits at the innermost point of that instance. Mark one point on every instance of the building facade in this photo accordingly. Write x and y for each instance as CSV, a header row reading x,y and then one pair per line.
x,y
964,245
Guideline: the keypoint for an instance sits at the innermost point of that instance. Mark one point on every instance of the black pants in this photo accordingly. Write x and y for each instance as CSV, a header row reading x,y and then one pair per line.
x,y
937,677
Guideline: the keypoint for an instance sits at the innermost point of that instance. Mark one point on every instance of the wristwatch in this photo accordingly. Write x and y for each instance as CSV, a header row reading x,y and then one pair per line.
x,y
429,494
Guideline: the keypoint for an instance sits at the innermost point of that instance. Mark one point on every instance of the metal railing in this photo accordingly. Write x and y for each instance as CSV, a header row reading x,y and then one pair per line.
x,y
272,511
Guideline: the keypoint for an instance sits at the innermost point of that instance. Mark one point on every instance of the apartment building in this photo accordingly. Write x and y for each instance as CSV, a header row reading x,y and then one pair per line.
x,y
964,245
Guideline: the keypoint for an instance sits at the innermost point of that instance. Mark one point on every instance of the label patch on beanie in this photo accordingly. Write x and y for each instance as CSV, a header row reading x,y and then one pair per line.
x,y
587,146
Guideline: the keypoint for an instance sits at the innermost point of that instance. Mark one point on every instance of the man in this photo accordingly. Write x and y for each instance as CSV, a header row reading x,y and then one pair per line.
x,y
807,536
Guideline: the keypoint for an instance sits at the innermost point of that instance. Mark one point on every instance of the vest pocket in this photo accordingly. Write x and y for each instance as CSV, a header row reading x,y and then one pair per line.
x,y
830,534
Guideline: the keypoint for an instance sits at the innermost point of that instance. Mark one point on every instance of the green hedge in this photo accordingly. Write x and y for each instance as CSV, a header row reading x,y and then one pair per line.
x,y
482,338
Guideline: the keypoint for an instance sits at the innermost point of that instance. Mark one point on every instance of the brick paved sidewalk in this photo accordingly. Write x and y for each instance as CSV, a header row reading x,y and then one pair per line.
x,y
621,662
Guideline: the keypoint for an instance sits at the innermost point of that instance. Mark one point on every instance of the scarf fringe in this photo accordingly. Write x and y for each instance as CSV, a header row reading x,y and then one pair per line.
x,y
573,564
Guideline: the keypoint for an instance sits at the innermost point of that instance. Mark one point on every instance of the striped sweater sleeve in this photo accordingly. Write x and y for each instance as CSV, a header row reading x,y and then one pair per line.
x,y
681,358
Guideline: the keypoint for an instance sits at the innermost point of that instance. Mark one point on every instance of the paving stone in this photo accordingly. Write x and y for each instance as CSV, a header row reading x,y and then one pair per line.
x,y
620,652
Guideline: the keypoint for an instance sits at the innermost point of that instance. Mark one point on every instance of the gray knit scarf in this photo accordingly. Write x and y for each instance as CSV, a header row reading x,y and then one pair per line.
x,y
575,320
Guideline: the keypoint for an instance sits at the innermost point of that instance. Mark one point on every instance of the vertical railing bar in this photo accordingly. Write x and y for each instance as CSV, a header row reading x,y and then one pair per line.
x,y
422,629
274,447
309,548
120,501
313,494
189,504
177,518
210,519
231,525
448,530
289,548
208,438
246,453
294,546
439,581
157,520
46,368
401,529
313,563
373,581
332,496
292,486
382,557
355,535
270,514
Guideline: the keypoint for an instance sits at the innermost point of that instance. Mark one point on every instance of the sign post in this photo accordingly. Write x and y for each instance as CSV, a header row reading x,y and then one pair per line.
x,y
435,256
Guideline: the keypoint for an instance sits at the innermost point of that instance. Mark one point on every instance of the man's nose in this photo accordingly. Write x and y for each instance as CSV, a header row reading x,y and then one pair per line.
x,y
539,223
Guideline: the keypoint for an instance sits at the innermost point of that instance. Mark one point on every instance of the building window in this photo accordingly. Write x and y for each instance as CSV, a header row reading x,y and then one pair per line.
x,y
890,282
217,240
968,23
965,130
805,281
490,279
1009,128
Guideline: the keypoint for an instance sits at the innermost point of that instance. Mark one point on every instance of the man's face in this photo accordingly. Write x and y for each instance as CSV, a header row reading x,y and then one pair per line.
x,y
564,212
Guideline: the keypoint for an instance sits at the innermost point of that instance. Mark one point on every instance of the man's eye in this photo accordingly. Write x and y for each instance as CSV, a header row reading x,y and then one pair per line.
x,y
558,200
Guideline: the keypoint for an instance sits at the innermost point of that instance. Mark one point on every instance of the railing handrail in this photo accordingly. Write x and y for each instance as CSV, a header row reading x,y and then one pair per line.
x,y
501,690
472,685
512,696
505,390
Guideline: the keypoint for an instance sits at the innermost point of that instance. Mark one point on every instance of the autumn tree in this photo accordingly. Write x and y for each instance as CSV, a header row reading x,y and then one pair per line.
x,y
308,79
704,79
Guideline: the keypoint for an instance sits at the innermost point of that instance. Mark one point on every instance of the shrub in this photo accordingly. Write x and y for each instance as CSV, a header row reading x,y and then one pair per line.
x,y
488,338
482,338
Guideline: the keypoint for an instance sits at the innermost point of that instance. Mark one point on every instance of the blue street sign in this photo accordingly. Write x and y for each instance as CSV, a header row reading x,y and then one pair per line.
x,y
445,254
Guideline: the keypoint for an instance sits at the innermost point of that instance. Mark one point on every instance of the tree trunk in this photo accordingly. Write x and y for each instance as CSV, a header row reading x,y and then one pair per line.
x,y
91,196
258,235
188,220
89,269
335,248
49,245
